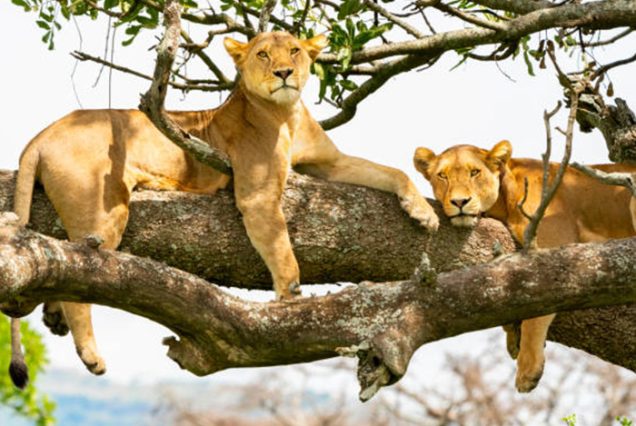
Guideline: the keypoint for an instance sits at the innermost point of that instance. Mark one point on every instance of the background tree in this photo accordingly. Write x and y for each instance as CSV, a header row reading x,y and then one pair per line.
x,y
370,44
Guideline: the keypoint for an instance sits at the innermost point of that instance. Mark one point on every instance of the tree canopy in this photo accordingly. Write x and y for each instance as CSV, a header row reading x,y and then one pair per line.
x,y
370,41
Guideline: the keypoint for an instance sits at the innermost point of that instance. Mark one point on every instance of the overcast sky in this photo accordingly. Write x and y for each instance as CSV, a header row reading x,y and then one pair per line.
x,y
435,108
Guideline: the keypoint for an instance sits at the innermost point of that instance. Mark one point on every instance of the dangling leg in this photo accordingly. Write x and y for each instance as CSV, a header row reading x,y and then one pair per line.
x,y
531,352
99,207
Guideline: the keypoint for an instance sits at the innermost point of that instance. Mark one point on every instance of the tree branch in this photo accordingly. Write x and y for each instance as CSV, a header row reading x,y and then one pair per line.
x,y
339,232
265,15
616,178
152,101
383,324
595,15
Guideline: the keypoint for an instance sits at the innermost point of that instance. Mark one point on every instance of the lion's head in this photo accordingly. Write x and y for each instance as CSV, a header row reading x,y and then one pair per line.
x,y
275,66
465,179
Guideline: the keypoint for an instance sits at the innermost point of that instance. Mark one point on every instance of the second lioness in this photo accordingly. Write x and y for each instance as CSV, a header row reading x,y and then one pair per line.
x,y
470,181
90,161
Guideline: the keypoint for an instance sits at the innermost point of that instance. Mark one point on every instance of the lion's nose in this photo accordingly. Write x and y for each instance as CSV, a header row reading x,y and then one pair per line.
x,y
284,73
460,202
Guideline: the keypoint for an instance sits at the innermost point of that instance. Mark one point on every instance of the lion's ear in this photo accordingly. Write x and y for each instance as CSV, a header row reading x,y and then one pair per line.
x,y
236,49
422,159
314,45
501,152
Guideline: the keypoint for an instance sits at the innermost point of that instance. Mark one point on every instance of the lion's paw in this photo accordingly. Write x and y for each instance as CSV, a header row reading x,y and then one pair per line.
x,y
289,293
93,362
528,374
53,318
419,209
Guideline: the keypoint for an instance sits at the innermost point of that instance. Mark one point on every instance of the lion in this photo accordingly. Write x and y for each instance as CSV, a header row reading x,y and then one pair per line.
x,y
471,182
89,162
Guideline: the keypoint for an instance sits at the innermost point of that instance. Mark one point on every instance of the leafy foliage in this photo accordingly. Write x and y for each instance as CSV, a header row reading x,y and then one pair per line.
x,y
355,27
27,403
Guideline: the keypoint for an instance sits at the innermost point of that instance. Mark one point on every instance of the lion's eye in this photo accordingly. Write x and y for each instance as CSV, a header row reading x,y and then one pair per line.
x,y
294,50
474,172
442,175
262,54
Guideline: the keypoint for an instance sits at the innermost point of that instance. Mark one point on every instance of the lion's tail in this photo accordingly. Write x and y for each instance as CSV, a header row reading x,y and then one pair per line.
x,y
17,368
22,207
27,172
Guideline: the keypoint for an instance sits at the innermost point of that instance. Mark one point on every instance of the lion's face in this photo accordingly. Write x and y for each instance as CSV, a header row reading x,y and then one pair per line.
x,y
275,66
465,179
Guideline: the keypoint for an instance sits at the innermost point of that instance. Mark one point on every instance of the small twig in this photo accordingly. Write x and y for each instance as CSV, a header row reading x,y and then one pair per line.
x,y
266,14
523,200
205,58
81,56
393,18
602,70
383,73
299,24
617,37
548,191
470,18
427,22
616,178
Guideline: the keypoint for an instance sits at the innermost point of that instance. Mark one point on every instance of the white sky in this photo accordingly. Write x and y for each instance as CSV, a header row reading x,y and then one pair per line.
x,y
436,108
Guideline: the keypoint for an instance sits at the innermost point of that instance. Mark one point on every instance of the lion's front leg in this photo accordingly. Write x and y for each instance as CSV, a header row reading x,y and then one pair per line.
x,y
258,189
267,230
358,171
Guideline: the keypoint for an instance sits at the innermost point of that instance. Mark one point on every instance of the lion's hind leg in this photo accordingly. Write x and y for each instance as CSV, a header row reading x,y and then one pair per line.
x,y
88,205
531,356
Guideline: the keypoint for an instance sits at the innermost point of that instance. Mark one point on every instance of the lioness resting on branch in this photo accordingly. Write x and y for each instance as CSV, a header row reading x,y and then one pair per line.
x,y
90,161
470,181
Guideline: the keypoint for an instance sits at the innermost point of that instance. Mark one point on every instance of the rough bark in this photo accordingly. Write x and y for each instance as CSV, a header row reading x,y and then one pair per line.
x,y
381,323
617,123
340,233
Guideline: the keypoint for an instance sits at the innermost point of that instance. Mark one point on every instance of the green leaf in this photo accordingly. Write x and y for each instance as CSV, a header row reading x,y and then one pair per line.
x,y
43,25
23,4
66,12
526,58
464,59
349,7
349,85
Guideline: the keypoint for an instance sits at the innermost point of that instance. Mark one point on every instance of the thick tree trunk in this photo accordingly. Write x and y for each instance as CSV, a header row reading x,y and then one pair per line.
x,y
340,233
381,323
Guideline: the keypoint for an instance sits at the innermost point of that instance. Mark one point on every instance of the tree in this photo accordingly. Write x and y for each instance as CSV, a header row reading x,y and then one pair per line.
x,y
384,348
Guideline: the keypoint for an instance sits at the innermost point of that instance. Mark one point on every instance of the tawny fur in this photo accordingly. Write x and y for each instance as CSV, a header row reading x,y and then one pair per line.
x,y
492,183
90,161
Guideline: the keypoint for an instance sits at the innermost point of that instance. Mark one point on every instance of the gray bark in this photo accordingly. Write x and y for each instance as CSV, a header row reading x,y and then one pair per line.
x,y
381,323
617,123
